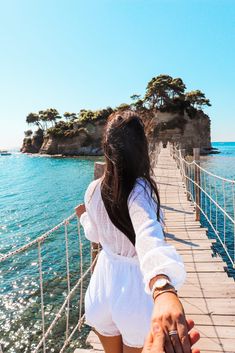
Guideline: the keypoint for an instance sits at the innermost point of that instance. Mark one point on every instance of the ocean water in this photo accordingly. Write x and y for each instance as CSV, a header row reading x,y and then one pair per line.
x,y
223,165
36,193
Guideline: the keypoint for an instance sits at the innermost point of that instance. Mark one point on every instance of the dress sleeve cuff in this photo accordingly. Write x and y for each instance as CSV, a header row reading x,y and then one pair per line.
x,y
82,218
90,230
163,260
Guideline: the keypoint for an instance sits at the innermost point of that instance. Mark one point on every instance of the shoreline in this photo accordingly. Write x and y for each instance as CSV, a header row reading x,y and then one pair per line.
x,y
57,156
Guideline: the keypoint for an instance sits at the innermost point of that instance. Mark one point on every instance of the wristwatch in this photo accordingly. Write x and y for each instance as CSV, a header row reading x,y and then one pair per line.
x,y
160,284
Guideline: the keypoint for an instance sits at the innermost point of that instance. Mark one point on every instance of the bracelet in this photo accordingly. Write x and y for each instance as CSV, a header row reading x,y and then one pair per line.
x,y
155,283
164,291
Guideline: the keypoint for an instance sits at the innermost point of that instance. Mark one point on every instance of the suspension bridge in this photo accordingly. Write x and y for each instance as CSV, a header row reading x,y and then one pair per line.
x,y
187,192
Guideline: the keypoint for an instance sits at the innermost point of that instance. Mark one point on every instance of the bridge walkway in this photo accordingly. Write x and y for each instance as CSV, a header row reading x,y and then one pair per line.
x,y
208,295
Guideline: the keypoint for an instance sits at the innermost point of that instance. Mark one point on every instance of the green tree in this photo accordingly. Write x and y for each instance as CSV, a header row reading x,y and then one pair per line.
x,y
86,115
162,89
34,119
28,133
69,116
197,99
123,106
135,97
177,87
49,116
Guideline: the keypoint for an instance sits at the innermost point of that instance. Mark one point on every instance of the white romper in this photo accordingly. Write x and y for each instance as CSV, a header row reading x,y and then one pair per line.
x,y
118,300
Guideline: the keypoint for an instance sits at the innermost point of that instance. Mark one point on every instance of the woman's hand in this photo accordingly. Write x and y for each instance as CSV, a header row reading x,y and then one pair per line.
x,y
168,314
80,209
154,342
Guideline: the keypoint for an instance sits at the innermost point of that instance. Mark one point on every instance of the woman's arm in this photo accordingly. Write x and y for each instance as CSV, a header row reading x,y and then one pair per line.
x,y
159,258
156,256
86,216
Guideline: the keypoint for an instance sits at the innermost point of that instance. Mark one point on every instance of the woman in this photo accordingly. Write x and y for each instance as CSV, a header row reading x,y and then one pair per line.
x,y
133,287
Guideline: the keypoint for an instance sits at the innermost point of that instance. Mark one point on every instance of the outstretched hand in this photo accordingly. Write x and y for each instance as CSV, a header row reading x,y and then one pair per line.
x,y
155,341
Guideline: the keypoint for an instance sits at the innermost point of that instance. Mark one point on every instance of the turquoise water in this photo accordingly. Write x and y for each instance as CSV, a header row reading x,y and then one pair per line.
x,y
223,165
36,193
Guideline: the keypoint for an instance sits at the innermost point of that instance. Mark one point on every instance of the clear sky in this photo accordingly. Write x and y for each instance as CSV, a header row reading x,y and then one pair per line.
x,y
74,54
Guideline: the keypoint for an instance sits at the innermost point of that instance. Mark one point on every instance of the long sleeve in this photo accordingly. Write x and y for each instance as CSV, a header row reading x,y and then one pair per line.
x,y
155,255
87,218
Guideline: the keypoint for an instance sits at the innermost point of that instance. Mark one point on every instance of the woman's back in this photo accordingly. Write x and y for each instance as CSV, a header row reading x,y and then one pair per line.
x,y
102,230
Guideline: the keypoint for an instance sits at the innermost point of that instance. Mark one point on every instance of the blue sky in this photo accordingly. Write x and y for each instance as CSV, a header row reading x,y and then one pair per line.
x,y
74,54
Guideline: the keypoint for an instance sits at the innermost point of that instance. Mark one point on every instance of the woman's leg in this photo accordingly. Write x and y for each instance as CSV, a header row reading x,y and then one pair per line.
x,y
127,349
111,344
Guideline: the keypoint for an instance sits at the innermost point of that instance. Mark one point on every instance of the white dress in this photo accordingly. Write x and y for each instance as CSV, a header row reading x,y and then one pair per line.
x,y
118,300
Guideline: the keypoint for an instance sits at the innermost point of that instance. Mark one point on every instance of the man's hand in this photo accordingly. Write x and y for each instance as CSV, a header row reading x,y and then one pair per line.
x,y
154,342
80,209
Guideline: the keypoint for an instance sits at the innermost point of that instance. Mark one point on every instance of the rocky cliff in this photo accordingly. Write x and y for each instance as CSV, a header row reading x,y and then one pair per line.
x,y
182,129
33,144
85,138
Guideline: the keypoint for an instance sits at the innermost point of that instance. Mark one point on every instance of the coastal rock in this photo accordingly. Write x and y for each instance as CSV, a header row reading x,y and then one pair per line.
x,y
82,140
33,144
187,129
183,130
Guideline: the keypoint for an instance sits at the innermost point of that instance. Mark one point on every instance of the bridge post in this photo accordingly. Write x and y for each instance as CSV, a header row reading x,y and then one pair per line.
x,y
196,156
98,172
183,153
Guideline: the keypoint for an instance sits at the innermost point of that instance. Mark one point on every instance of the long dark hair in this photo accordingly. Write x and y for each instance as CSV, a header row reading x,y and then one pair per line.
x,y
126,153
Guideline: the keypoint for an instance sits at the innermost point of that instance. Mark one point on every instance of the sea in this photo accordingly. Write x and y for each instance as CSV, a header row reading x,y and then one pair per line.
x,y
36,194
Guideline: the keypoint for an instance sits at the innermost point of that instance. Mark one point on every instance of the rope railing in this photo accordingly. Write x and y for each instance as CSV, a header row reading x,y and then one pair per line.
x,y
77,288
213,196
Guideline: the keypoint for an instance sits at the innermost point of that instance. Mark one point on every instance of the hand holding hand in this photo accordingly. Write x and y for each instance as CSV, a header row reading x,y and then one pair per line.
x,y
168,315
80,209
155,341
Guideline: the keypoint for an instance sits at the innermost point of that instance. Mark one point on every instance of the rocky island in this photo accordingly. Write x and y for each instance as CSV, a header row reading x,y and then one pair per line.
x,y
169,114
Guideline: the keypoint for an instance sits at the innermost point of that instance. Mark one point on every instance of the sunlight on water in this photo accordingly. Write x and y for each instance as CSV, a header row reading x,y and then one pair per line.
x,y
36,193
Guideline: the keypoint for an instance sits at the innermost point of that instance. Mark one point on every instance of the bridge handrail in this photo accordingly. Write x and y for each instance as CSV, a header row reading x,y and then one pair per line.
x,y
194,175
70,291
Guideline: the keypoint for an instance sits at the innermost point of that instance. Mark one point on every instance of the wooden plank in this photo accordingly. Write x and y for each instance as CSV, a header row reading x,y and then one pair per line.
x,y
205,267
200,257
192,291
216,344
214,320
219,306
216,331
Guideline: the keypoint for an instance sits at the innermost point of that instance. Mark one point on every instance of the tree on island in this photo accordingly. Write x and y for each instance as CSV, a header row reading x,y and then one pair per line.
x,y
49,116
197,99
70,116
166,93
162,89
163,93
28,133
88,115
43,117
34,119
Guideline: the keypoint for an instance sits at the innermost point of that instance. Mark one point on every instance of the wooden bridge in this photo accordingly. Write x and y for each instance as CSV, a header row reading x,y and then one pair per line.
x,y
208,296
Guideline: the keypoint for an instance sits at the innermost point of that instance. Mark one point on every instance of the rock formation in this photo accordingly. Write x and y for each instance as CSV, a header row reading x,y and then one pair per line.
x,y
183,128
33,144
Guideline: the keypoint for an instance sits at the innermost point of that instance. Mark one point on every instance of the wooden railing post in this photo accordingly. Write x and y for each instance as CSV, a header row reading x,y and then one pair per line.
x,y
196,156
98,172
